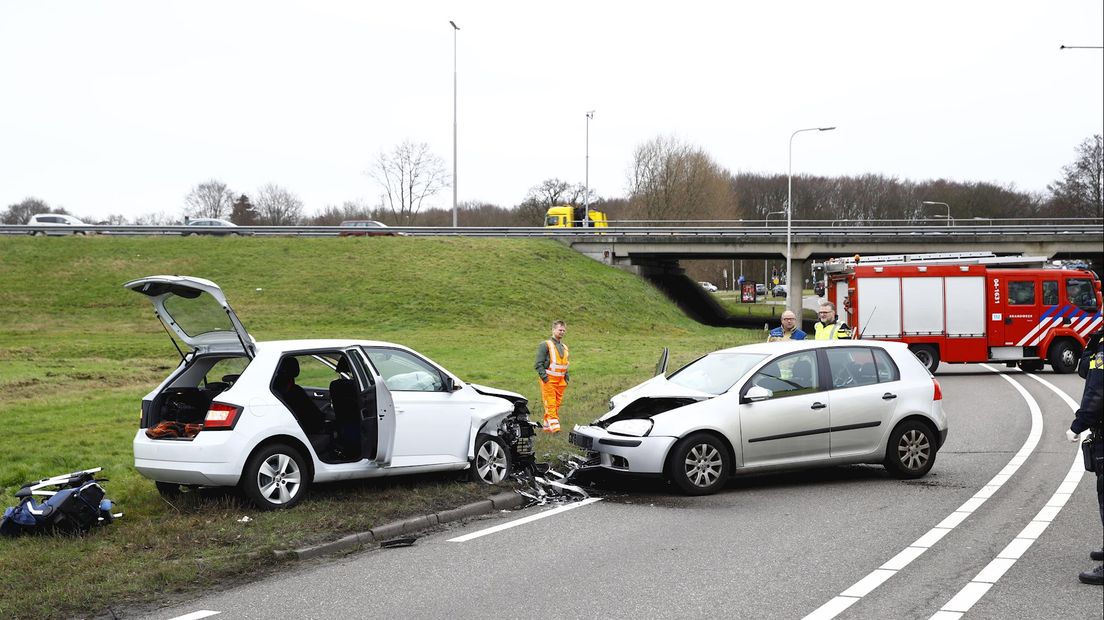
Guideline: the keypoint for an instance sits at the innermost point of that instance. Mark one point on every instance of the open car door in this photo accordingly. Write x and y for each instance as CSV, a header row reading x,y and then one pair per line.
x,y
377,413
196,311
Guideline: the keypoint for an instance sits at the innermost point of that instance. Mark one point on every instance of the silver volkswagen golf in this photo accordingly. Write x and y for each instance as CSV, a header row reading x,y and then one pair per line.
x,y
771,406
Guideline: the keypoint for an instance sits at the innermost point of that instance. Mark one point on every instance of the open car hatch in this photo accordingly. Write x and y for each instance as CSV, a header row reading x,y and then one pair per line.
x,y
197,312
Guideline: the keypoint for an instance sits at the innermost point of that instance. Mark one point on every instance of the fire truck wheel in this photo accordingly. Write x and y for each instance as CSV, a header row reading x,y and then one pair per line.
x,y
910,452
928,354
1063,356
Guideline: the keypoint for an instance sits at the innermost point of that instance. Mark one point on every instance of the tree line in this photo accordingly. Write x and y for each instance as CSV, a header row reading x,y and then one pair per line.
x,y
668,180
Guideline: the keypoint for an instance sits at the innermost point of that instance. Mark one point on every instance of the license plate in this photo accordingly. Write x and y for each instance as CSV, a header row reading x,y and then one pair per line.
x,y
580,440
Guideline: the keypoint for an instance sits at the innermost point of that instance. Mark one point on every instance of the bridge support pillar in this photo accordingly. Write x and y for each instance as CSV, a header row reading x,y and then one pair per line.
x,y
795,285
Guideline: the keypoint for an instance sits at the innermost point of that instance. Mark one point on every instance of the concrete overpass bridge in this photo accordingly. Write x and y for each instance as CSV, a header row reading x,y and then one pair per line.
x,y
656,253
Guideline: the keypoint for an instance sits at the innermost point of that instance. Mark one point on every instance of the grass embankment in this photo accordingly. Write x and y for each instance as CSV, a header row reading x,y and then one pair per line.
x,y
78,352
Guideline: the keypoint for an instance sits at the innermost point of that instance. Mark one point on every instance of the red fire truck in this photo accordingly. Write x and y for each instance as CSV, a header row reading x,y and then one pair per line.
x,y
969,307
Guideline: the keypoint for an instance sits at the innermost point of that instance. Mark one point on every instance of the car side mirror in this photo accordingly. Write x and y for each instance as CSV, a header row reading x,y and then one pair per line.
x,y
757,393
451,385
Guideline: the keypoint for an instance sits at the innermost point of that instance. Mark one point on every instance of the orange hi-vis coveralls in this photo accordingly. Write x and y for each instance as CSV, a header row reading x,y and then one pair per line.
x,y
553,381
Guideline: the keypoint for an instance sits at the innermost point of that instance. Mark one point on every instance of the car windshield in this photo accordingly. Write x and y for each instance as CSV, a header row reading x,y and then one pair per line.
x,y
715,373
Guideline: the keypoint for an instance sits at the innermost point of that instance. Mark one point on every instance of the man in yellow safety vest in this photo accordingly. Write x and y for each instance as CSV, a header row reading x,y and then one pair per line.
x,y
827,328
551,367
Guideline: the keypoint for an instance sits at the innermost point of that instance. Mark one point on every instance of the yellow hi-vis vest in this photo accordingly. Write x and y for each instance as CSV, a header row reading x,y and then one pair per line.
x,y
829,332
557,366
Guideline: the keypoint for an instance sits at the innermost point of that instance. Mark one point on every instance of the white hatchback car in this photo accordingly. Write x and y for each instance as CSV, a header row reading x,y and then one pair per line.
x,y
54,224
771,406
273,417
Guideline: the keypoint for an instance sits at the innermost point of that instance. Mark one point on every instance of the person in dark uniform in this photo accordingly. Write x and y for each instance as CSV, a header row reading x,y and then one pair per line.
x,y
1090,416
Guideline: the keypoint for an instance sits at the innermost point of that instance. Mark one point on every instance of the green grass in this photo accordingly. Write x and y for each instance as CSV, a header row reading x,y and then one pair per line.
x,y
78,352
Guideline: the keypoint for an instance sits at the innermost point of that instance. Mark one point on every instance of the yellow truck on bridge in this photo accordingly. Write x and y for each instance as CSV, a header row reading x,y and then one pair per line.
x,y
567,216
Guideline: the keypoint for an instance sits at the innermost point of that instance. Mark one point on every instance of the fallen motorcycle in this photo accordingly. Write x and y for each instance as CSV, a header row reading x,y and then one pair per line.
x,y
75,502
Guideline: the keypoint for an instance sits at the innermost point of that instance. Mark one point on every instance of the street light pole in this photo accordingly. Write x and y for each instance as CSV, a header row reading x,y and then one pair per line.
x,y
586,180
455,30
950,222
789,218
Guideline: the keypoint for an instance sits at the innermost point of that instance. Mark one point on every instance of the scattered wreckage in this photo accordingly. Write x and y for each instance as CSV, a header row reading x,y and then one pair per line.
x,y
75,504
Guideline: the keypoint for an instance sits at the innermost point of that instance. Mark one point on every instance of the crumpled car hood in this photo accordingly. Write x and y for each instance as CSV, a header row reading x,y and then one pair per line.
x,y
513,397
652,397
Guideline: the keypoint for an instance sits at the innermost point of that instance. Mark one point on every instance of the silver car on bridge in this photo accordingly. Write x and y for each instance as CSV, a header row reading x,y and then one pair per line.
x,y
772,406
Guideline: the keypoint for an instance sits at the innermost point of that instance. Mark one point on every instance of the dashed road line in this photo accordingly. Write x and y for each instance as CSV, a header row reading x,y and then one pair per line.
x,y
524,520
880,575
196,615
972,592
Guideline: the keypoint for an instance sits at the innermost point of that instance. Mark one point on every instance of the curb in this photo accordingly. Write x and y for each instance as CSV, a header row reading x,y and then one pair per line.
x,y
355,542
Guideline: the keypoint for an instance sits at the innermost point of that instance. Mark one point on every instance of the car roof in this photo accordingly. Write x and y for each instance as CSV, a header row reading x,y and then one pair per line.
x,y
773,348
282,346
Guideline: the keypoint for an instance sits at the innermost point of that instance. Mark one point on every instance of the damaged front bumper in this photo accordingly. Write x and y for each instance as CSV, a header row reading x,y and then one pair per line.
x,y
635,455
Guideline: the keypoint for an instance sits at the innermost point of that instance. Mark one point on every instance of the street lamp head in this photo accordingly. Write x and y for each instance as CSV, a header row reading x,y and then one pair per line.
x,y
590,114
454,24
825,128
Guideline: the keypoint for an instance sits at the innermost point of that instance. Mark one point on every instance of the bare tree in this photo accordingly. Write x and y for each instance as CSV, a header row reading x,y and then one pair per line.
x,y
672,180
1079,192
210,199
277,206
408,175
332,215
21,212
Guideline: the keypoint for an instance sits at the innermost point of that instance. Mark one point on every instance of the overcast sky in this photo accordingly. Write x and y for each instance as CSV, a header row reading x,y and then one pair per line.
x,y
122,107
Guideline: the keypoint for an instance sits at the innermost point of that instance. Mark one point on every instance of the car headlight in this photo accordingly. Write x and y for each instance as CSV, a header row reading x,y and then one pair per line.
x,y
633,428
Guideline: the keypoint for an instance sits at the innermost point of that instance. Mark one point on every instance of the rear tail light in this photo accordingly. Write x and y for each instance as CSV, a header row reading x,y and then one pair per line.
x,y
937,396
221,416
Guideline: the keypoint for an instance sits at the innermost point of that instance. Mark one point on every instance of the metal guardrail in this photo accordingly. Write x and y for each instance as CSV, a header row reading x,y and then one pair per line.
x,y
746,230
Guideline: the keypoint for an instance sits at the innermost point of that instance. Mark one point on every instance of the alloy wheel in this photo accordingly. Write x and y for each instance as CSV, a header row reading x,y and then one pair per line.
x,y
491,463
279,478
703,465
913,450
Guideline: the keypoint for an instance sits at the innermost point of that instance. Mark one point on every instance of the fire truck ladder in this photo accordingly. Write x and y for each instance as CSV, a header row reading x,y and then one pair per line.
x,y
937,258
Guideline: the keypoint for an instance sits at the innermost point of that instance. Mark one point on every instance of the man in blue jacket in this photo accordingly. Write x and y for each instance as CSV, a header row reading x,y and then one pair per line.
x,y
788,330
1090,416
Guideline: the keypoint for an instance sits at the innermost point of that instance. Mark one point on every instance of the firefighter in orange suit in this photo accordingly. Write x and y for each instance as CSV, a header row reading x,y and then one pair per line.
x,y
552,369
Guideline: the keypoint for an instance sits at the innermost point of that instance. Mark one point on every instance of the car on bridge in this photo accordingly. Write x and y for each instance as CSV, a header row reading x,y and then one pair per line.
x,y
773,406
708,286
273,417
365,228
54,224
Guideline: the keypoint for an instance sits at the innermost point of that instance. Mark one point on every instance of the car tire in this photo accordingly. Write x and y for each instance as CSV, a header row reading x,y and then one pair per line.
x,y
275,477
911,450
699,464
38,233
1063,356
492,463
928,354
1031,365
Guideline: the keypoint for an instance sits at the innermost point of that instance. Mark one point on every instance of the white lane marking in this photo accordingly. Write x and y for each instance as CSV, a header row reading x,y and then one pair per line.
x,y
972,592
196,615
880,575
524,520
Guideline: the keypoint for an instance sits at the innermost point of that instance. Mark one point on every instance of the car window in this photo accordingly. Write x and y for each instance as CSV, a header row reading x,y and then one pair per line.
x,y
404,372
789,375
316,373
1050,292
887,369
851,367
1021,293
715,373
1080,292
226,370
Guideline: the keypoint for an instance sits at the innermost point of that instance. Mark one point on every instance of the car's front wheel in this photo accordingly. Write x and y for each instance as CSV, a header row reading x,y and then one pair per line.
x,y
275,477
700,464
492,463
911,450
